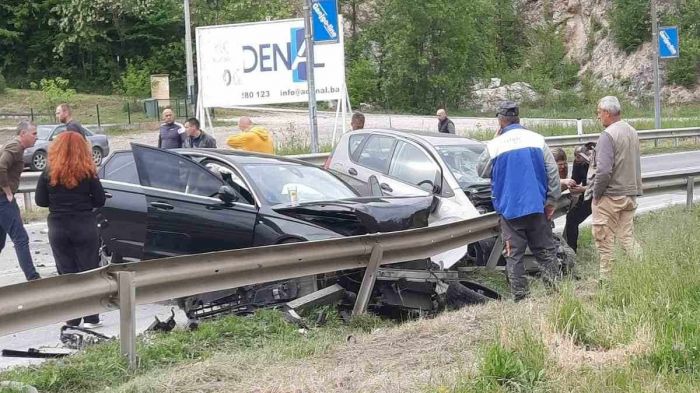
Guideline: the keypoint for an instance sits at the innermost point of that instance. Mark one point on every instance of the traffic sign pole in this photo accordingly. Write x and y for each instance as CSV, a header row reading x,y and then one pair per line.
x,y
655,40
309,39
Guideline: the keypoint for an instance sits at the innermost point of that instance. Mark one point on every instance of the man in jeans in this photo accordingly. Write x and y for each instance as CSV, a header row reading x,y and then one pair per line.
x,y
616,185
11,166
525,184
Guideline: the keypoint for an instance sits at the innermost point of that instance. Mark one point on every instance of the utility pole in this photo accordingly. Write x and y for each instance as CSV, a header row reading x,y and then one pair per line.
x,y
309,40
655,45
188,53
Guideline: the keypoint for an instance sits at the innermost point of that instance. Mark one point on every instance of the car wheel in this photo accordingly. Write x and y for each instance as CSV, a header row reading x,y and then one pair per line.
x,y
108,256
97,155
39,161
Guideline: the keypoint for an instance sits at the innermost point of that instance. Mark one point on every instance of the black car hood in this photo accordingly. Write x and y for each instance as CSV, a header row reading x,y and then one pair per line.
x,y
359,216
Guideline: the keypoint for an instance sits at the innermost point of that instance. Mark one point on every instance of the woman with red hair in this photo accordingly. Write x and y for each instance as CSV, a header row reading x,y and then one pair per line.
x,y
69,187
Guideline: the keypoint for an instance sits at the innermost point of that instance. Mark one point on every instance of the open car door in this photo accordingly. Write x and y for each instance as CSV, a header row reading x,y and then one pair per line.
x,y
186,211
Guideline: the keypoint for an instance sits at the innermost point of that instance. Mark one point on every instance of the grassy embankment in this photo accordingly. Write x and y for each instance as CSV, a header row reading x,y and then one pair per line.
x,y
640,334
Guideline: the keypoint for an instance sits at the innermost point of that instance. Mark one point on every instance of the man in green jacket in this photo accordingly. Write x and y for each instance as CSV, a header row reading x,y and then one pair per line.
x,y
11,167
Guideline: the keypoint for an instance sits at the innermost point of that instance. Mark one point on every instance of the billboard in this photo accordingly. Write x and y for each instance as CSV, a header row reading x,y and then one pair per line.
x,y
264,63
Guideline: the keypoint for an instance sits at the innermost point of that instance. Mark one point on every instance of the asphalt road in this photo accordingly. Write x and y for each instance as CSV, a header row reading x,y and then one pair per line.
x,y
48,336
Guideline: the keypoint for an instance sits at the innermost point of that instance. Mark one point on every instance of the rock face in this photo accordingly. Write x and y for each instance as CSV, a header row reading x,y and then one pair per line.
x,y
586,28
487,99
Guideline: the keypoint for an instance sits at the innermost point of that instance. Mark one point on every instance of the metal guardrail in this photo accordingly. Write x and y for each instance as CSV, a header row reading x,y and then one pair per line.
x,y
38,303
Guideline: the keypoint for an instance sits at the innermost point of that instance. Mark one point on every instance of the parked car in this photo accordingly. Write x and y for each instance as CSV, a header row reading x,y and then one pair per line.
x,y
36,157
414,163
163,203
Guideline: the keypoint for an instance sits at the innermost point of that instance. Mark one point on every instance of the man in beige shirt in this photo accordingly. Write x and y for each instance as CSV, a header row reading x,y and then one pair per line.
x,y
616,185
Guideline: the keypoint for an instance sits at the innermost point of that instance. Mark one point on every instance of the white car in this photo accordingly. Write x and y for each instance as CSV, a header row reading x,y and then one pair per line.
x,y
417,163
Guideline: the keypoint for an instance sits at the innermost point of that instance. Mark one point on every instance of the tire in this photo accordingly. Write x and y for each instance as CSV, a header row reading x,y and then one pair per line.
x,y
459,294
567,258
97,155
39,161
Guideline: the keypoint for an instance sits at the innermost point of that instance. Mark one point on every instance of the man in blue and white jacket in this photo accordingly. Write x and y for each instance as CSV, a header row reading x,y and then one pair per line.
x,y
525,184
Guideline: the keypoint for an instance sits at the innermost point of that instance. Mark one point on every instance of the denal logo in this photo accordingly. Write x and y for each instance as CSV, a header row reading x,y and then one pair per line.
x,y
271,57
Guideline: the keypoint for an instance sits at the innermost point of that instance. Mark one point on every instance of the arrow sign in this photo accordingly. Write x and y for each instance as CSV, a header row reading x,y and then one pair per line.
x,y
668,42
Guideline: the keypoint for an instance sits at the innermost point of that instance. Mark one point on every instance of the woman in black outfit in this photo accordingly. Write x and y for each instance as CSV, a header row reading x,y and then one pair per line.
x,y
69,187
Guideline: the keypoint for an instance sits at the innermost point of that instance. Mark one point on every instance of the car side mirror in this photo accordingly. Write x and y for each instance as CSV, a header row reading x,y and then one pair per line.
x,y
228,195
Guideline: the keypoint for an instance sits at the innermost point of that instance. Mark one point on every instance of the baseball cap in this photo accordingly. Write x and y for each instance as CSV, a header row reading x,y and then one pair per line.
x,y
507,108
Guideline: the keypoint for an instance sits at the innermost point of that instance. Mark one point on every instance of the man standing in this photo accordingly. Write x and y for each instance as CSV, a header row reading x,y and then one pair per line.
x,y
616,185
64,114
171,132
445,125
357,122
11,166
525,185
197,138
252,138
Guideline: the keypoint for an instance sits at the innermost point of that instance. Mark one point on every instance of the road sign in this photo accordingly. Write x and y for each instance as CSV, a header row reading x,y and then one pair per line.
x,y
668,42
324,16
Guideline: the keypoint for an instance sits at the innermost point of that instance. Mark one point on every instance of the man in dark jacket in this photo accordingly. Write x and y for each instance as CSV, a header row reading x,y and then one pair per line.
x,y
11,166
171,133
197,138
525,183
64,114
445,125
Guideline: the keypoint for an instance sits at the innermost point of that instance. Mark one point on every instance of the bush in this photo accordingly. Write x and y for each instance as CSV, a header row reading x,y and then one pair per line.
x,y
546,64
685,69
630,23
362,82
3,84
135,82
55,91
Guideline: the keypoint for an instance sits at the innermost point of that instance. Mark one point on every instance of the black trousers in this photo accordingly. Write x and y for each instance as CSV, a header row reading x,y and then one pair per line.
x,y
532,231
75,245
574,218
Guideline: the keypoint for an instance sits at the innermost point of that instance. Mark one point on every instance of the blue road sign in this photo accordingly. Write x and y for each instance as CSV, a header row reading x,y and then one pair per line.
x,y
669,46
324,16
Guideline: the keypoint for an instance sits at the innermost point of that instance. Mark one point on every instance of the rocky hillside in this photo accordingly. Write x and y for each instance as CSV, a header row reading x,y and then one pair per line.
x,y
585,25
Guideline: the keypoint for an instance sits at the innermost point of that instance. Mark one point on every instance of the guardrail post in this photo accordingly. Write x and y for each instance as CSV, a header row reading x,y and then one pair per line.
x,y
99,125
691,191
127,316
496,253
27,201
370,277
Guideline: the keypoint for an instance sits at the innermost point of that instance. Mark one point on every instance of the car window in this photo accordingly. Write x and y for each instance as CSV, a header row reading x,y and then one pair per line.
x,y
121,167
462,161
354,142
43,132
174,172
413,166
284,183
376,153
57,131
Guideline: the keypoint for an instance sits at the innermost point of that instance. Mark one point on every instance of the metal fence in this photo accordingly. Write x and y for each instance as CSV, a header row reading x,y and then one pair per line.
x,y
37,303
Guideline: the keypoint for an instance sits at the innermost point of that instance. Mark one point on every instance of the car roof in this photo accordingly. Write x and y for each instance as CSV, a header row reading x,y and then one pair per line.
x,y
245,157
432,138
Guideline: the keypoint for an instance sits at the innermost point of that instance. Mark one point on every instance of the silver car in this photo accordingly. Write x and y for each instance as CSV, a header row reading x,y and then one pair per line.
x,y
405,163
36,157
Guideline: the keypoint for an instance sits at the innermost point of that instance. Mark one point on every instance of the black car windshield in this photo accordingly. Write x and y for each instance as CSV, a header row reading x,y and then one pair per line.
x,y
462,160
279,182
43,132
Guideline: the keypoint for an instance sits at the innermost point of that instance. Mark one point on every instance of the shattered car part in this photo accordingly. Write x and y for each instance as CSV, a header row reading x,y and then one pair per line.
x,y
163,326
33,353
78,338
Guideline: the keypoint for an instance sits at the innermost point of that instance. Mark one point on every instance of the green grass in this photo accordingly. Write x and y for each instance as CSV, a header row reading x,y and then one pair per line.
x,y
266,332
647,319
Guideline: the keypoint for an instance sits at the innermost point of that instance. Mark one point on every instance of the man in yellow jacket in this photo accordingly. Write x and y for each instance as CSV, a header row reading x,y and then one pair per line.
x,y
251,138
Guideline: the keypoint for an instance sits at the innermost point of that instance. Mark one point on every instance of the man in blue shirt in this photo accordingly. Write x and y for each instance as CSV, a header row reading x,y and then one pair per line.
x,y
525,184
171,133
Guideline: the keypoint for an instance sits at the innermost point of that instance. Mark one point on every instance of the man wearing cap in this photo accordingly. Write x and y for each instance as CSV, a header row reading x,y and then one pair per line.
x,y
581,207
525,184
445,125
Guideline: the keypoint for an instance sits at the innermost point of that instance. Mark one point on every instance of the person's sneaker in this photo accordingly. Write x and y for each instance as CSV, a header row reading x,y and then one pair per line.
x,y
88,325
34,277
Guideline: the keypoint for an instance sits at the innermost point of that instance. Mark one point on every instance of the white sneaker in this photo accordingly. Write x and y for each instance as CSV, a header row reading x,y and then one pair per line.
x,y
88,325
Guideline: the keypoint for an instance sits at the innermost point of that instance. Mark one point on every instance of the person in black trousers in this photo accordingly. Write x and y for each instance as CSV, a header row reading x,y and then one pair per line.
x,y
581,208
69,187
